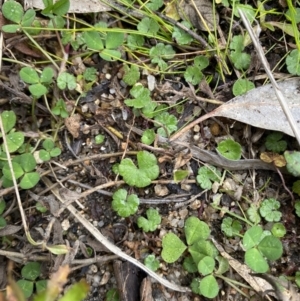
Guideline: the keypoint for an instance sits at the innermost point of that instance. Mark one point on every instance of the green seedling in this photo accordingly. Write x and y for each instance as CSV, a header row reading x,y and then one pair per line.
x,y
112,295
274,143
268,210
148,137
99,139
131,75
141,97
135,41
151,262
38,85
240,59
124,204
90,74
293,162
278,230
142,175
148,26
260,247
203,255
107,45
60,109
14,12
253,215
30,273
59,8
207,175
154,4
150,223
2,219
241,86
182,37
160,53
231,227
66,80
49,150
179,175
230,149
169,123
193,74
296,187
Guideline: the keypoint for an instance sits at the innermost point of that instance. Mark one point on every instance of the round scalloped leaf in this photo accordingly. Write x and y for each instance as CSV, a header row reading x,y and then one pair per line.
x,y
271,247
255,261
195,229
209,287
293,162
172,248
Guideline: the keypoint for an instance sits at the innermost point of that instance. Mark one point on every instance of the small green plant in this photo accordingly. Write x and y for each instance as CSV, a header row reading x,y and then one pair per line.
x,y
148,136
240,59
49,150
131,75
112,295
66,80
30,273
274,142
169,123
141,175
182,37
159,53
230,149
278,230
260,247
2,219
38,85
99,139
151,222
124,204
293,162
151,262
268,210
193,74
203,255
231,227
141,97
60,109
207,175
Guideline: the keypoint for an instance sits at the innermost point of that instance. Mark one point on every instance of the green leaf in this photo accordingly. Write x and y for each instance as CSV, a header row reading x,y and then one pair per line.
x,y
241,86
182,37
3,222
41,285
14,141
252,237
58,249
190,265
180,175
12,11
8,120
38,90
142,175
209,287
193,75
271,247
17,170
195,229
60,109
255,261
123,204
47,75
76,292
278,230
207,175
253,214
297,208
293,62
27,161
61,7
11,28
274,142
93,40
154,4
202,248
29,180
28,18
223,265
29,75
66,80
268,210
48,144
293,162
31,271
231,227
40,207
240,59
99,139
169,121
206,265
152,221
114,40
26,287
141,97
110,55
201,62
131,75
148,26
44,155
162,51
230,149
172,248
135,41
112,295
293,15
90,74
195,286
148,137
151,262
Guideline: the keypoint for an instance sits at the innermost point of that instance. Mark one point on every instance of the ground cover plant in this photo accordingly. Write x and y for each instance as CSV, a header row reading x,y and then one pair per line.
x,y
126,118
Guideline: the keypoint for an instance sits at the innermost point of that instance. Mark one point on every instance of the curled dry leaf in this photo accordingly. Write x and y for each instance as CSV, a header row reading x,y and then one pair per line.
x,y
270,157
